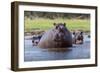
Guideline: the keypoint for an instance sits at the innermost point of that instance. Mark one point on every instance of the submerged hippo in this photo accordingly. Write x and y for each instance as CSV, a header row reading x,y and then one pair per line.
x,y
36,39
78,37
57,37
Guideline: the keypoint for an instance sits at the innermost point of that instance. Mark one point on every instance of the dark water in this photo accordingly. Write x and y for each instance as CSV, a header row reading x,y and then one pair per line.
x,y
33,53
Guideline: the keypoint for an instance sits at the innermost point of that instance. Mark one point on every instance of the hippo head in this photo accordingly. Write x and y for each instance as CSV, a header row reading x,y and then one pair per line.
x,y
60,30
78,37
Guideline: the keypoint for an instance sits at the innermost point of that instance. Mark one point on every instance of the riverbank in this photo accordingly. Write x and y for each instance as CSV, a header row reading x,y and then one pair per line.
x,y
40,32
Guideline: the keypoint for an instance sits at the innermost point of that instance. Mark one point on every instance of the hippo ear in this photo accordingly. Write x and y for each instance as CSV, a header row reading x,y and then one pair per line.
x,y
81,32
54,24
64,24
74,33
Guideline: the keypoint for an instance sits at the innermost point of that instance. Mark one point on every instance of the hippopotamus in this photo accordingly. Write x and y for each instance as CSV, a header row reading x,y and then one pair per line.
x,y
78,37
57,37
36,39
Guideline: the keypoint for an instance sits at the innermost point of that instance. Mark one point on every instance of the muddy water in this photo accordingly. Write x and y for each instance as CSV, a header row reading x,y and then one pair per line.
x,y
33,53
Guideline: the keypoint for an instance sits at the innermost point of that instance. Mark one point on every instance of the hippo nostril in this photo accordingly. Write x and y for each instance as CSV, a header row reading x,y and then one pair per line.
x,y
61,30
32,41
36,42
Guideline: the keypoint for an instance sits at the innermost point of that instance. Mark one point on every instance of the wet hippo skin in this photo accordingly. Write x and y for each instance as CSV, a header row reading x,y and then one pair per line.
x,y
78,37
57,37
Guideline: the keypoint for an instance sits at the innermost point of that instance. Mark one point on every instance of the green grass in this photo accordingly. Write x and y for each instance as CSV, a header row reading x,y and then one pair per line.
x,y
45,24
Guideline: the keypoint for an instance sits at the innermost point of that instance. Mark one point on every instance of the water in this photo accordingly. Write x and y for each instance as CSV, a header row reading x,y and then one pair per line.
x,y
33,53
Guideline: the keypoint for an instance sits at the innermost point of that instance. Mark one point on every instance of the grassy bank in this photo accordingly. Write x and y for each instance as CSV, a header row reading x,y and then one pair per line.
x,y
45,24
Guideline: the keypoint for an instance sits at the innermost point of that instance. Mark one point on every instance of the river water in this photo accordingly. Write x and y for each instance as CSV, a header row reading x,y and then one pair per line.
x,y
33,53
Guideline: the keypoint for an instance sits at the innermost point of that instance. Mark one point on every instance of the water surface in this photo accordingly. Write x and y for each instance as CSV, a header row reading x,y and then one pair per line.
x,y
33,53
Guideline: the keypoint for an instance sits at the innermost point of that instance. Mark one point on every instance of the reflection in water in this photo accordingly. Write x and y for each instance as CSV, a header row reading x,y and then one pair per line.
x,y
33,53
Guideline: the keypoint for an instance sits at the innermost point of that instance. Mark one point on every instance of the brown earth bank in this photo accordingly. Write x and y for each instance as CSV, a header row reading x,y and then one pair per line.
x,y
40,32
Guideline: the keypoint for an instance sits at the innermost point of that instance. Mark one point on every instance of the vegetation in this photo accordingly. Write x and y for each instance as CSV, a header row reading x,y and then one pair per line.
x,y
45,20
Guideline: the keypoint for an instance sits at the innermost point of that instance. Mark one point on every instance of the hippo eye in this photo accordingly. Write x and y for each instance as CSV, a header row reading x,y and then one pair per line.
x,y
56,27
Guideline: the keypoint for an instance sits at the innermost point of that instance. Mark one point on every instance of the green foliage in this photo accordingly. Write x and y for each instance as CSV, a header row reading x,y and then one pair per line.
x,y
55,15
